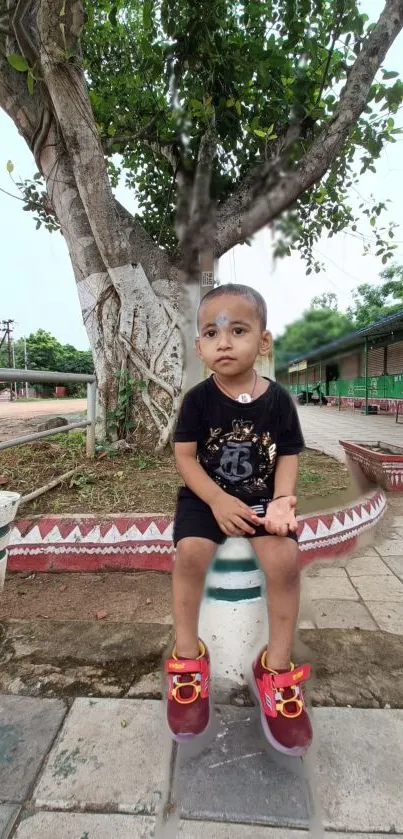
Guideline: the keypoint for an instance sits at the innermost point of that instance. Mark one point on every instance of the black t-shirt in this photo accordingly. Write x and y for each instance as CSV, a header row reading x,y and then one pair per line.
x,y
238,443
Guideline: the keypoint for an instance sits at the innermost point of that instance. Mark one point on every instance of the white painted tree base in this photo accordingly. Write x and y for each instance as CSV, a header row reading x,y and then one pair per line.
x,y
3,567
8,507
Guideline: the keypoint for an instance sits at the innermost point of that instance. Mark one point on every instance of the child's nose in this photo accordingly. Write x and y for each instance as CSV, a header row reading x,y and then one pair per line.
x,y
224,340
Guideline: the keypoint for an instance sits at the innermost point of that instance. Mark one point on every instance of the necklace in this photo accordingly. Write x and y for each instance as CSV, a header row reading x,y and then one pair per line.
x,y
243,397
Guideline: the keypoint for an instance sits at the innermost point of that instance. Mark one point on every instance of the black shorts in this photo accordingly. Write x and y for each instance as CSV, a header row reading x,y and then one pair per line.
x,y
194,518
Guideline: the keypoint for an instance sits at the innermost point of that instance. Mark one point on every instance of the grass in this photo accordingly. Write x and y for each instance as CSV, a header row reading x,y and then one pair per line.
x,y
126,483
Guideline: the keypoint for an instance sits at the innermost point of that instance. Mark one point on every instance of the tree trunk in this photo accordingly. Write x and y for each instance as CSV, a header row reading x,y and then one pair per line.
x,y
131,322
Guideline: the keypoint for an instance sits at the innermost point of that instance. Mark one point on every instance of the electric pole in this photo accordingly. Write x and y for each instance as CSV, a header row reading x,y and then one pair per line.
x,y
7,327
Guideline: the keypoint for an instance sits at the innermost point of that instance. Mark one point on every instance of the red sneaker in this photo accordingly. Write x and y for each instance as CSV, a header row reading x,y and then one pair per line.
x,y
188,706
285,720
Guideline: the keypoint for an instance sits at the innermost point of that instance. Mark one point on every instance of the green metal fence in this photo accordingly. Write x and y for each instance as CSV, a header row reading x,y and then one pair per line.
x,y
379,387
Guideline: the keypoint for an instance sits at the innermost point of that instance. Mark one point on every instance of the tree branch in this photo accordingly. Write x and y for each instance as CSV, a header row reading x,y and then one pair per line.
x,y
259,204
194,217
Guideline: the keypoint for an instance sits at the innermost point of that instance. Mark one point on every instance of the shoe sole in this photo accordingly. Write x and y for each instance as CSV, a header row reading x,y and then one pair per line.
x,y
296,751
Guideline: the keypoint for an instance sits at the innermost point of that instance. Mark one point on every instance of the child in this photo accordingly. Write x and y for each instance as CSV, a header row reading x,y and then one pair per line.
x,y
237,442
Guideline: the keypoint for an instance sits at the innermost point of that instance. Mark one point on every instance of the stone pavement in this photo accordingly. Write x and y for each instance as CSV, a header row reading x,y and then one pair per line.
x,y
104,774
324,427
365,591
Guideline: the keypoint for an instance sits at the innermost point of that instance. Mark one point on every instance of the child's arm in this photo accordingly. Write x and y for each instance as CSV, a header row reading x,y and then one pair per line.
x,y
229,512
285,480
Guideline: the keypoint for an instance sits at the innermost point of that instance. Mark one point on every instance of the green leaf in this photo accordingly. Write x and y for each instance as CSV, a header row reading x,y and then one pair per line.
x,y
389,74
238,108
18,62
10,166
259,132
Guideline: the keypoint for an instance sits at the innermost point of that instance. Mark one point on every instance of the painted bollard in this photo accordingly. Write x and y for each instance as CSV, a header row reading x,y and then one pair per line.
x,y
233,616
8,508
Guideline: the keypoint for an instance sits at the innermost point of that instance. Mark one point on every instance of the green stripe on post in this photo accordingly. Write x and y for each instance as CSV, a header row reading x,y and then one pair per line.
x,y
235,594
224,565
4,530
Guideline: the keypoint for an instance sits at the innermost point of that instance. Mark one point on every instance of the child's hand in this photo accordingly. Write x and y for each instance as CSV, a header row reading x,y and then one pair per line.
x,y
231,513
280,516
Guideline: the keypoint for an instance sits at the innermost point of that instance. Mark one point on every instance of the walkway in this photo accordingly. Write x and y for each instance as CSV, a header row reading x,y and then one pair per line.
x,y
96,770
324,427
366,591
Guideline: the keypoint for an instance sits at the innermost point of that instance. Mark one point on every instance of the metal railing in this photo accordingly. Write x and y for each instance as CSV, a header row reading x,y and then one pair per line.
x,y
8,374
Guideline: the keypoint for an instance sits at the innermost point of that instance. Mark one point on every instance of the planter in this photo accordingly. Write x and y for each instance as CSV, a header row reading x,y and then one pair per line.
x,y
8,508
380,462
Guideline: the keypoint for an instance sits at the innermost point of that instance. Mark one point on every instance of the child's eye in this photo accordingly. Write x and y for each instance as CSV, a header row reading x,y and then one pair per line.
x,y
239,330
210,334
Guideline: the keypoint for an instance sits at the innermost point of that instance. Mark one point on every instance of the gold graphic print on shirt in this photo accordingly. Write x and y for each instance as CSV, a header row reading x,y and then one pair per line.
x,y
241,457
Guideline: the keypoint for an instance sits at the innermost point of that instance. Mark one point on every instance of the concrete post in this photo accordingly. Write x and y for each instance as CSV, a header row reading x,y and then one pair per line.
x,y
233,617
8,508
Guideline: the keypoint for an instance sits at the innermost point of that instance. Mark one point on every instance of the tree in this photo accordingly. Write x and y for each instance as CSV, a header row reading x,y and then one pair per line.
x,y
327,300
237,115
45,352
373,302
314,328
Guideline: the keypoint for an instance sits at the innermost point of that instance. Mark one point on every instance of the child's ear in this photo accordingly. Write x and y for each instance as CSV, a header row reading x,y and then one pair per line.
x,y
266,342
197,346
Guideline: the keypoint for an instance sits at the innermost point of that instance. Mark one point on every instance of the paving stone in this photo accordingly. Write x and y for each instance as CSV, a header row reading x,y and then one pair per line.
x,y
330,588
392,546
364,551
342,614
325,570
8,816
360,768
395,563
367,565
236,779
380,589
94,826
27,729
306,624
84,826
108,755
389,616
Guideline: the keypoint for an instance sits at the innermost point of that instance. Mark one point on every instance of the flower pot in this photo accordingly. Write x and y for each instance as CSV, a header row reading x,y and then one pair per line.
x,y
380,462
8,507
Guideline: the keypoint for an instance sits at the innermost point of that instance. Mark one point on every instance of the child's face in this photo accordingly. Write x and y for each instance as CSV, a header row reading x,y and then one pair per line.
x,y
230,335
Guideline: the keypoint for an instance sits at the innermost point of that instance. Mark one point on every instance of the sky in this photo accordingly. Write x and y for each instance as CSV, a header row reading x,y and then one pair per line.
x,y
37,283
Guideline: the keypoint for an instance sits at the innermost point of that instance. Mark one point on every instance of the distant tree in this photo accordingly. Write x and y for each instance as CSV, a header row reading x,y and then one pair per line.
x,y
314,328
327,300
45,352
373,302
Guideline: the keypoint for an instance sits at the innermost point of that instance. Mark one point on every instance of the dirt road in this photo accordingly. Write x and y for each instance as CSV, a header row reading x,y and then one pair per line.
x,y
49,407
18,418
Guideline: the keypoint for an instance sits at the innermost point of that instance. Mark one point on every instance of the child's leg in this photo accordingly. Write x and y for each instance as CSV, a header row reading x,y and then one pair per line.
x,y
193,558
279,559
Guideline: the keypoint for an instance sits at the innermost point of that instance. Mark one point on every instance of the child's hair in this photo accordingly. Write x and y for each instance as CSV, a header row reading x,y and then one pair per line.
x,y
239,291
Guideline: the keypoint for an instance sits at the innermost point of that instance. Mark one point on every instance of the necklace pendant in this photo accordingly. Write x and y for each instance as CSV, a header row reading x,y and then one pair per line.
x,y
244,397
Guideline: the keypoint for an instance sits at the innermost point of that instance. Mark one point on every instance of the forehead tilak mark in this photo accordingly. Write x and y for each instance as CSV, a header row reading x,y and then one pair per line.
x,y
222,320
